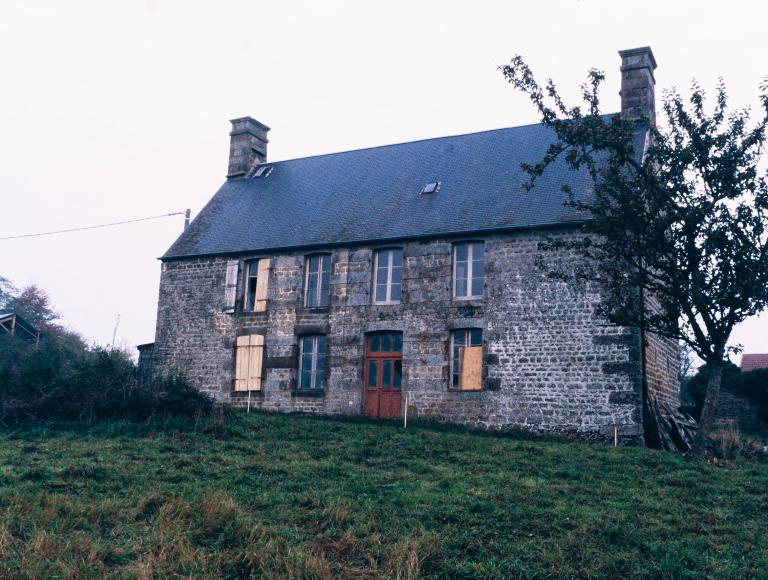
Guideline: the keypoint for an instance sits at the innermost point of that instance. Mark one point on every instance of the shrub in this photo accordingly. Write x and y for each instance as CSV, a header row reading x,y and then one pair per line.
x,y
60,382
751,384
729,443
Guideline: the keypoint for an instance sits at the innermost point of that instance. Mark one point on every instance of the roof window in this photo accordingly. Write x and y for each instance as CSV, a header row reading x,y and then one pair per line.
x,y
262,171
432,187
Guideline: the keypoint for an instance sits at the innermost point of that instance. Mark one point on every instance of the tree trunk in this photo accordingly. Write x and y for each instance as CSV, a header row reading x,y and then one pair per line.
x,y
710,407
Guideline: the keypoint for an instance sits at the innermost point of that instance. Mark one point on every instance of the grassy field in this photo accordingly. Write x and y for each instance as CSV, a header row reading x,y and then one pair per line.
x,y
279,496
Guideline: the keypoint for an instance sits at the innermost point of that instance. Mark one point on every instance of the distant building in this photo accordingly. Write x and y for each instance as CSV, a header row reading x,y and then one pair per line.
x,y
404,278
15,325
750,362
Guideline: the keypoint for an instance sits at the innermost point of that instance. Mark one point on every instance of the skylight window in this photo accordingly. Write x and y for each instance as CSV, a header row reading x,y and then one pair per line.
x,y
262,171
432,187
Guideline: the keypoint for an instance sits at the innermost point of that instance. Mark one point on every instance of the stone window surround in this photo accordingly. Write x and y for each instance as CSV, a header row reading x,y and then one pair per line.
x,y
246,260
374,275
301,331
451,361
470,296
316,352
241,297
247,266
325,257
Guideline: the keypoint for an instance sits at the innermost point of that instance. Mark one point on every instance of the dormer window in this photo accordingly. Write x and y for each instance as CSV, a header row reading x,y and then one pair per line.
x,y
262,171
432,187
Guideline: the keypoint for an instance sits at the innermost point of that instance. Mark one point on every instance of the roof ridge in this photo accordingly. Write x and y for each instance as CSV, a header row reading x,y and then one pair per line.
x,y
406,143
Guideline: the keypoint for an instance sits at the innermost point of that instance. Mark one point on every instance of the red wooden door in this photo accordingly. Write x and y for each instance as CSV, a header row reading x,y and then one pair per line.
x,y
383,374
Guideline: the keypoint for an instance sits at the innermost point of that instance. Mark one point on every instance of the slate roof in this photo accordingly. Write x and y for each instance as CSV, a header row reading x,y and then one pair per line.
x,y
374,195
750,362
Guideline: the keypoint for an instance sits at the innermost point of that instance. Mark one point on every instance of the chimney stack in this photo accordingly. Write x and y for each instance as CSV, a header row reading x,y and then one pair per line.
x,y
247,145
638,86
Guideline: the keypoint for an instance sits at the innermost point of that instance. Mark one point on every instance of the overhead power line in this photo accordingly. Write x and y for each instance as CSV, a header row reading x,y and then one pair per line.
x,y
154,217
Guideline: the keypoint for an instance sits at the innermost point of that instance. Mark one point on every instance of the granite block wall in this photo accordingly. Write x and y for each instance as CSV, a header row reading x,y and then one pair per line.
x,y
551,364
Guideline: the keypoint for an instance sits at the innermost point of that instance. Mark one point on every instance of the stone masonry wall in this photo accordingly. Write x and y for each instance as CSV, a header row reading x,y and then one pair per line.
x,y
662,363
662,368
550,363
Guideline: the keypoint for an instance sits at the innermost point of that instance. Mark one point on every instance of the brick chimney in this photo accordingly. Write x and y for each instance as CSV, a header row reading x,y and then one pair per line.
x,y
638,86
247,145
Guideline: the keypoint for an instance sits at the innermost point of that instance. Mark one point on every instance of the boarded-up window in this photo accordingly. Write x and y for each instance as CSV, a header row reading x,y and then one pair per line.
x,y
467,359
471,368
230,286
248,362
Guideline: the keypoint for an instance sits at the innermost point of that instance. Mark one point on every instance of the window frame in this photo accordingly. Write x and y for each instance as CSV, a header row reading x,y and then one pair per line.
x,y
319,288
247,265
314,355
471,244
452,363
390,268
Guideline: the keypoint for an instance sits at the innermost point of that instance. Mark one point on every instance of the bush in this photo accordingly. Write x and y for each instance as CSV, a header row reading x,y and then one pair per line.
x,y
59,382
752,384
728,442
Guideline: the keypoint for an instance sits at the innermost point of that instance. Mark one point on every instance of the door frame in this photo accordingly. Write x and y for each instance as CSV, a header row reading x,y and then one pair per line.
x,y
381,356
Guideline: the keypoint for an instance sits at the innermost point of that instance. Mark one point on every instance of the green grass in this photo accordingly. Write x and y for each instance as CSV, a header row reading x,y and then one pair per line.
x,y
281,496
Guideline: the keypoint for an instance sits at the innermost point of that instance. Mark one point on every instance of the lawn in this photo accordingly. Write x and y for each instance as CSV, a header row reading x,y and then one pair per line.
x,y
278,496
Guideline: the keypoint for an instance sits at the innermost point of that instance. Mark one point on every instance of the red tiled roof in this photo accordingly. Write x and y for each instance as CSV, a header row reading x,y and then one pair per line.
x,y
750,362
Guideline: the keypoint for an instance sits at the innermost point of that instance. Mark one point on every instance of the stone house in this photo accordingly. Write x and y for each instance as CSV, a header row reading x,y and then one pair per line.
x,y
405,277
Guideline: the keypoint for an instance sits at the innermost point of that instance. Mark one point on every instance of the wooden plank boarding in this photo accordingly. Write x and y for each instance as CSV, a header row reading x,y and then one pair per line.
x,y
471,375
262,284
255,362
230,285
242,354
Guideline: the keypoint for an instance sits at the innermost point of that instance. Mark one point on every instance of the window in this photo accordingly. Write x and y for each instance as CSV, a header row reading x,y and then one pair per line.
x,y
467,359
262,171
312,362
248,362
256,279
388,276
468,270
317,280
251,278
433,187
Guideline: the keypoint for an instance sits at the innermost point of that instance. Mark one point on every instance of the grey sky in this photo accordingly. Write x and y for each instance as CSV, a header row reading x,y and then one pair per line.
x,y
118,110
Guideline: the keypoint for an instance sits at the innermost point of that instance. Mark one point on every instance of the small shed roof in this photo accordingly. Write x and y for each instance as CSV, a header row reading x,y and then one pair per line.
x,y
15,324
750,362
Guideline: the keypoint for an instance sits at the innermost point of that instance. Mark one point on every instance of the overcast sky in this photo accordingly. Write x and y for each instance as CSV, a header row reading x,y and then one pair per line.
x,y
114,110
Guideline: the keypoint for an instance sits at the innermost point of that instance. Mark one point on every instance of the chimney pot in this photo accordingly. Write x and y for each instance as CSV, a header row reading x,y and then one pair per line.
x,y
247,146
638,85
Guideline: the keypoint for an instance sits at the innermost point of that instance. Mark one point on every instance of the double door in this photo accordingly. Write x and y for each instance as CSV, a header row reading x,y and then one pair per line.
x,y
383,374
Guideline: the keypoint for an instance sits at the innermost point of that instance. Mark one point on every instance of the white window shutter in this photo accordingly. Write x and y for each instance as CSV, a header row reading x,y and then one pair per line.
x,y
262,285
230,288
